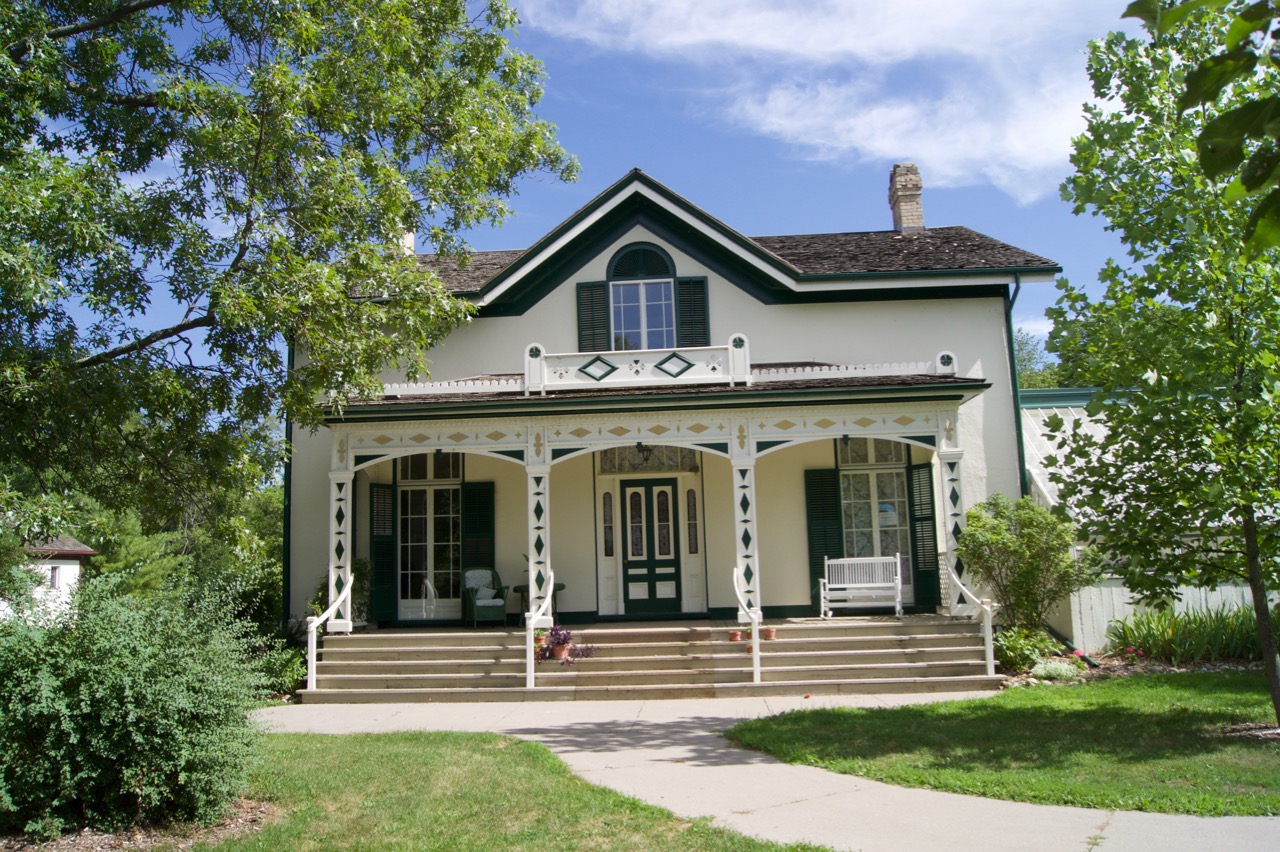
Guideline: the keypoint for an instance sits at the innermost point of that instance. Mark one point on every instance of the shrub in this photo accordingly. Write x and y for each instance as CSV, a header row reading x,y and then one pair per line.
x,y
1023,553
1197,636
1056,670
1018,649
123,711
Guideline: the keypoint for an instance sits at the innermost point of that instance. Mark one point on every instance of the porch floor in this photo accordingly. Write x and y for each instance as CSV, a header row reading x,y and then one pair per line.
x,y
656,660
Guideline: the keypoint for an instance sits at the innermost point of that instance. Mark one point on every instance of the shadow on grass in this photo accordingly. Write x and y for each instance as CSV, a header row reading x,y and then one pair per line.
x,y
1048,728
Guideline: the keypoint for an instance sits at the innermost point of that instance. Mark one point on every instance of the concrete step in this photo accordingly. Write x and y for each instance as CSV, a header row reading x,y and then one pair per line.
x,y
584,674
652,693
701,656
647,660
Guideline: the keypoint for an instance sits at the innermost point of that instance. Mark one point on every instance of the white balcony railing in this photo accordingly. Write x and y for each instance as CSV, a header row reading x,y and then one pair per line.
x,y
693,365
689,365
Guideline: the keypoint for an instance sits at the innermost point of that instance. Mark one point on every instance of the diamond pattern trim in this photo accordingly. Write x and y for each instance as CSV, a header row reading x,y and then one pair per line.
x,y
674,365
598,368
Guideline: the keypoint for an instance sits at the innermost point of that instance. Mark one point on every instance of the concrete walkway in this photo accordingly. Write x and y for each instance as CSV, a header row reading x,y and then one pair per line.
x,y
669,753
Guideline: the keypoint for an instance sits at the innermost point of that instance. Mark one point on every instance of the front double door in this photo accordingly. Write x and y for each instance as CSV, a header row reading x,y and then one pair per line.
x,y
651,550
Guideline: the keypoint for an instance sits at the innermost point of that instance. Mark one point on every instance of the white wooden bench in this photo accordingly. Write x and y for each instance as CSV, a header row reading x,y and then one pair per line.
x,y
860,582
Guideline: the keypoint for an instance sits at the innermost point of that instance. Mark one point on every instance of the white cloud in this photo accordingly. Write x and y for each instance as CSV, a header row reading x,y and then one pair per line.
x,y
973,91
1040,326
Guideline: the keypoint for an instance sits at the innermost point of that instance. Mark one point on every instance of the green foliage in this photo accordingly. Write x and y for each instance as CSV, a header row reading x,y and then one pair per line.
x,y
1023,554
242,169
1018,649
1142,743
1196,636
442,790
1184,488
25,521
361,571
126,711
1035,368
1244,138
1056,670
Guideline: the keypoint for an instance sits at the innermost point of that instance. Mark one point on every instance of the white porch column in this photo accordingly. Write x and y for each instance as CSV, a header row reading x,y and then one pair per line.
x,y
953,506
541,580
340,546
746,533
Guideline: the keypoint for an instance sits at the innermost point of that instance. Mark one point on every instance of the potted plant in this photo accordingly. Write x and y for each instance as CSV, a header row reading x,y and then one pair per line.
x,y
768,633
558,644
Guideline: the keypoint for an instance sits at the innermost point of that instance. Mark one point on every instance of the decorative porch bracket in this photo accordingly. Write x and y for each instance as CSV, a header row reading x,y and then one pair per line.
x,y
746,572
960,600
541,579
340,548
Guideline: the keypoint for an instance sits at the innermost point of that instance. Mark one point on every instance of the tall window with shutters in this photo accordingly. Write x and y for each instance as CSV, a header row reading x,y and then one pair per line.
x,y
643,305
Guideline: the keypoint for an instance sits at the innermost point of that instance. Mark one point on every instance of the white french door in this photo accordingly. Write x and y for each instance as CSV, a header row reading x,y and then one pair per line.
x,y
430,546
876,519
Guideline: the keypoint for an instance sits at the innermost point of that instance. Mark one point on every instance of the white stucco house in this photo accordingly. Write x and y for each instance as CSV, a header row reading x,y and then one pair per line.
x,y
58,562
650,407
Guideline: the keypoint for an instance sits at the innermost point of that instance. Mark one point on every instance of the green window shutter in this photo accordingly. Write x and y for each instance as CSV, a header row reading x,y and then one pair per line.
x,y
593,317
693,325
478,525
383,597
924,536
822,511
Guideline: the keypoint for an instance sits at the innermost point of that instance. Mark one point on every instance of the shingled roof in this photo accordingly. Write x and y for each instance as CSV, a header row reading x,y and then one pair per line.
x,y
855,253
954,247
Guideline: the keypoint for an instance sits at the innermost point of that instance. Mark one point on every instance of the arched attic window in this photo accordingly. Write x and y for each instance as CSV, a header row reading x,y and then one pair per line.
x,y
643,305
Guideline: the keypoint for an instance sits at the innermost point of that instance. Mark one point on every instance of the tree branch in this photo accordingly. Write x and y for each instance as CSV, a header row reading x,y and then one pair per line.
x,y
20,49
206,321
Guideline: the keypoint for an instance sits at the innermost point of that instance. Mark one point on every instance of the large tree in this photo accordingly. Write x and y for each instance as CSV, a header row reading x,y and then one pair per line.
x,y
1244,139
190,188
1185,342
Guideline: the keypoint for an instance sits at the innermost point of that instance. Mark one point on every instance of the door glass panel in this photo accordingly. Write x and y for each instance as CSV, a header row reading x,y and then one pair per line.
x,y
663,525
635,524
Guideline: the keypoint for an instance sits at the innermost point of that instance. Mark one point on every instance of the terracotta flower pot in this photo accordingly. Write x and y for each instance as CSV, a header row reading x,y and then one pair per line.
x,y
735,635
560,652
768,633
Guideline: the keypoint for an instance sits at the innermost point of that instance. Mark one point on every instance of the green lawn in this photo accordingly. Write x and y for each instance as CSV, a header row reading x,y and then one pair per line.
x,y
1147,743
456,792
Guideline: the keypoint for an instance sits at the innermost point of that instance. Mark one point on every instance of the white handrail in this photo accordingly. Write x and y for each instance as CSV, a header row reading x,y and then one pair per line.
x,y
988,610
313,624
537,617
751,611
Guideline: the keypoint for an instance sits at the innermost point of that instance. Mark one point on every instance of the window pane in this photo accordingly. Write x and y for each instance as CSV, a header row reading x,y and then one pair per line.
x,y
853,451
691,514
888,452
606,510
448,465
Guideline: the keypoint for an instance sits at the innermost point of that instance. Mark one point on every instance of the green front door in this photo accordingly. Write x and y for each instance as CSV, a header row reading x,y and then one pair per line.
x,y
651,551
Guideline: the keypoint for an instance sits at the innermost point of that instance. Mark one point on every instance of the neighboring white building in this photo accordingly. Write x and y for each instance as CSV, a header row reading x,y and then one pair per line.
x,y
1085,616
59,562
649,402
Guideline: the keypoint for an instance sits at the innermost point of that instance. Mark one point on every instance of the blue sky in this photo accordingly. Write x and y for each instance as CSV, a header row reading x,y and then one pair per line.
x,y
785,117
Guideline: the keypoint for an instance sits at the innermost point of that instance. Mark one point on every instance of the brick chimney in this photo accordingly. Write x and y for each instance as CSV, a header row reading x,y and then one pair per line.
x,y
904,198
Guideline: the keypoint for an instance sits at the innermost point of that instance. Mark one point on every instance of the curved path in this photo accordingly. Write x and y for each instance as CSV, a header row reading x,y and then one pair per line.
x,y
670,754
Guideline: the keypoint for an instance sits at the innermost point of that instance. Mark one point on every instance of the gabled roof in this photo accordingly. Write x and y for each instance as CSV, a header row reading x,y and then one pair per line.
x,y
801,267
63,546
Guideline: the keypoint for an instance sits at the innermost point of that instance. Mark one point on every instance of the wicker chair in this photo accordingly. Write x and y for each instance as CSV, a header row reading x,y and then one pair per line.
x,y
484,598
